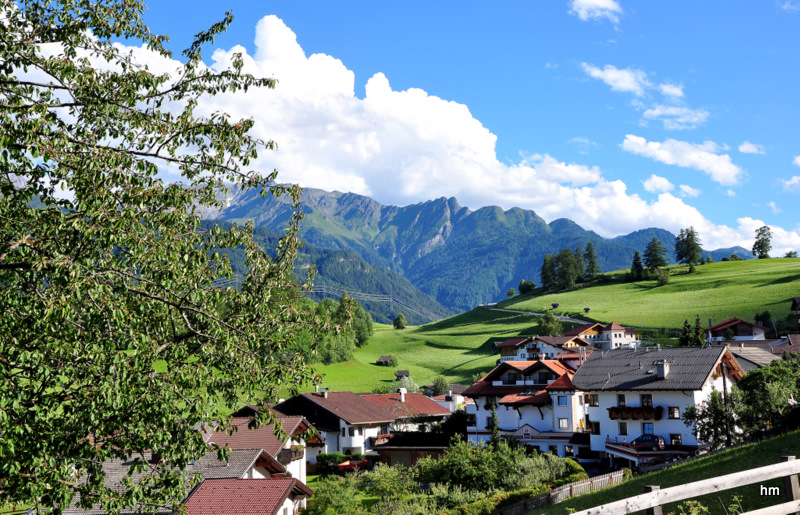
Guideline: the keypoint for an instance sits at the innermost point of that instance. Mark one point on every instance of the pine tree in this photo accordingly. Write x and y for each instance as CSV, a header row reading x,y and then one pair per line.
x,y
548,273
687,247
655,255
685,338
590,259
580,266
637,267
699,337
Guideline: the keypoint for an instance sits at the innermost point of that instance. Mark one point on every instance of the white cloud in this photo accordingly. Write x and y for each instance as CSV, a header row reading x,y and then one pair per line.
x,y
750,148
676,117
627,80
657,184
702,157
774,207
688,191
789,6
792,184
671,90
584,144
596,10
730,193
796,161
403,147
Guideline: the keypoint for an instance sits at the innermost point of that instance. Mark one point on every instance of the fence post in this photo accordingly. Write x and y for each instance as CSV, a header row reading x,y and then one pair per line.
x,y
655,510
790,483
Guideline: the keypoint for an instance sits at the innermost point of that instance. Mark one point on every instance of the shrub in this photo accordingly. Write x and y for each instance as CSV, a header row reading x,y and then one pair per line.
x,y
334,496
328,463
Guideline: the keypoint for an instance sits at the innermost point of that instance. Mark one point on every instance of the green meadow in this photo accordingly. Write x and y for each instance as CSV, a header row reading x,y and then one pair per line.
x,y
718,291
456,348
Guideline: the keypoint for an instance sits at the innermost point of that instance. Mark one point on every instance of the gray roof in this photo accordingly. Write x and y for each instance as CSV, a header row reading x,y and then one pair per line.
x,y
209,467
635,369
759,355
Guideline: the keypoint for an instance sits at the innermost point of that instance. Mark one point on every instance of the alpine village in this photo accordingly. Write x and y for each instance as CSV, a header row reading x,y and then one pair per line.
x,y
182,331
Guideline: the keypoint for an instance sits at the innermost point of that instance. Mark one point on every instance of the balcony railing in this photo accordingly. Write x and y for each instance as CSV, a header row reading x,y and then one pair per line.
x,y
636,413
286,456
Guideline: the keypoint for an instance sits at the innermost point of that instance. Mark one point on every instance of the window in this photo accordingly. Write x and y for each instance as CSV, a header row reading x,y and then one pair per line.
x,y
562,400
352,431
675,439
360,431
623,429
569,451
674,412
563,423
621,400
647,400
344,431
526,434
647,428
594,400
554,450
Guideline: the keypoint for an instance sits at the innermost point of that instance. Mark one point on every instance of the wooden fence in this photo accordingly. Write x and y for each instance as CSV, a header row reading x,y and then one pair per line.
x,y
655,498
561,493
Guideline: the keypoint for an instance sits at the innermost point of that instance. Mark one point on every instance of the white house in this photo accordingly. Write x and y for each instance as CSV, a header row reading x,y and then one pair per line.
x,y
735,329
532,348
611,336
635,392
535,403
345,420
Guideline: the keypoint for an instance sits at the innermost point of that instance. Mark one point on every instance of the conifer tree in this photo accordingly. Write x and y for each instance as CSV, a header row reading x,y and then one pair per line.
x,y
655,255
548,273
637,267
590,259
687,247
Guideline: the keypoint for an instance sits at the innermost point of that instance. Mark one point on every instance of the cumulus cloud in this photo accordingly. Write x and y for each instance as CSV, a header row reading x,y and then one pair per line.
x,y
596,10
688,191
671,90
676,117
750,148
703,156
584,145
403,147
796,161
626,80
774,207
657,184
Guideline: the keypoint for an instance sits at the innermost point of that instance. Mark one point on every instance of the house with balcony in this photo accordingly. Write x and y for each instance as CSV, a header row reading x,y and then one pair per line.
x,y
735,329
532,348
346,420
645,391
535,402
611,336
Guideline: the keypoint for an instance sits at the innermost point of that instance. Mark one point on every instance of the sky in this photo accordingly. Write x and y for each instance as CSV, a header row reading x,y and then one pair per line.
x,y
619,115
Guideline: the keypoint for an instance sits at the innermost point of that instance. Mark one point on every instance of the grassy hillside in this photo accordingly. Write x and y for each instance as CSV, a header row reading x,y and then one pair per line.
x,y
456,348
717,290
767,452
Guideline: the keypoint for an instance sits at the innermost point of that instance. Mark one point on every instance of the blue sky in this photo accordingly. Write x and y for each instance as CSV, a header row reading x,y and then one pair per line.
x,y
619,115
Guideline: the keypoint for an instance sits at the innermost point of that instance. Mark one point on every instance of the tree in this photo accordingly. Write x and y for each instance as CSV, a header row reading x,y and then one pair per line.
x,y
526,286
511,292
548,273
762,396
550,325
687,247
116,340
494,428
590,259
399,321
763,244
567,270
362,325
692,336
790,254
440,385
710,420
637,267
655,256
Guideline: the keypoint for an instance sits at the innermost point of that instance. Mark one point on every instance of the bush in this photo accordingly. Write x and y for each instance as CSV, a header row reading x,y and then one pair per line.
x,y
334,496
663,277
328,463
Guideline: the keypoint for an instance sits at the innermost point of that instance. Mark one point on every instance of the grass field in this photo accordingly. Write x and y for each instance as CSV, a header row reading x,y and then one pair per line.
x,y
718,290
456,348
767,452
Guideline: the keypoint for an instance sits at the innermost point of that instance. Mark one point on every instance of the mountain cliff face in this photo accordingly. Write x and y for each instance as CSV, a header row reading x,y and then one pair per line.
x,y
459,257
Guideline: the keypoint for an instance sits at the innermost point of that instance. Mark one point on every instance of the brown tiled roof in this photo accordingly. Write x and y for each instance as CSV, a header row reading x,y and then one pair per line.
x,y
731,322
613,326
350,407
560,341
486,388
243,496
262,438
512,342
416,404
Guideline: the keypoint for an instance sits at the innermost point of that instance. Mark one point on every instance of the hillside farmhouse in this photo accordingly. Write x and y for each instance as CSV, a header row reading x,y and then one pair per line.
x,y
737,329
611,336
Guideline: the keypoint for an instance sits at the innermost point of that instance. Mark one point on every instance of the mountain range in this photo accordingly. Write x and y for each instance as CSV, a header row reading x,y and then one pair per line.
x,y
457,256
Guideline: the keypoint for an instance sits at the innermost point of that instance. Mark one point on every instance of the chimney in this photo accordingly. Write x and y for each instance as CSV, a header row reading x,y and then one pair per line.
x,y
155,457
658,346
662,369
325,394
449,393
402,392
709,322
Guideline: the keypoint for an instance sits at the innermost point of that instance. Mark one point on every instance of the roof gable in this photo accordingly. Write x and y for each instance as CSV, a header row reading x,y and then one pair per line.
x,y
416,404
350,407
243,496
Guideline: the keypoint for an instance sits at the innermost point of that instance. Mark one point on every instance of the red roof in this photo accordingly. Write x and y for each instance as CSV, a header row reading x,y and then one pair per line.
x,y
243,496
732,322
415,404
351,407
613,326
562,383
540,398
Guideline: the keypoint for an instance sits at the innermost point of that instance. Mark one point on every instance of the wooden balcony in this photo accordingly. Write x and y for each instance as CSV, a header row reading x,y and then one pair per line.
x,y
636,413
